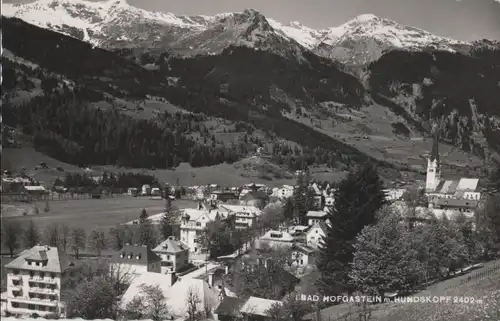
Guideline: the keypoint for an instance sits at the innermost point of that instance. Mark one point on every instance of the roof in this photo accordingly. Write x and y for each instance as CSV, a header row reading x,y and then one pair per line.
x,y
318,214
135,254
258,306
170,246
450,202
321,225
454,186
255,195
34,188
176,294
57,260
277,236
230,306
242,209
194,214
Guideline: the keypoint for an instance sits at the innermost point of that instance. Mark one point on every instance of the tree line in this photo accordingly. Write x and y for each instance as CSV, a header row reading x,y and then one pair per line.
x,y
111,180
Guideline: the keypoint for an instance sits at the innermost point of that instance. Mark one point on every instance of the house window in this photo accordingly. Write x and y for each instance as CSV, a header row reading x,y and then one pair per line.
x,y
16,272
31,306
52,275
15,305
31,274
168,257
42,275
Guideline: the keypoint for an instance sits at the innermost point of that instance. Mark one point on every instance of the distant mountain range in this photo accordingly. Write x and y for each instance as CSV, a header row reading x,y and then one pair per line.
x,y
281,79
115,24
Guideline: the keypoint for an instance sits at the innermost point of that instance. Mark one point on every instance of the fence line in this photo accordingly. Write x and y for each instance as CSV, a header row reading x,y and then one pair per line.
x,y
52,197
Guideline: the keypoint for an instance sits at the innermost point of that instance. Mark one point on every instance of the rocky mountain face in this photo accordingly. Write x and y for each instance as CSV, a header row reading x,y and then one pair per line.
x,y
250,68
116,24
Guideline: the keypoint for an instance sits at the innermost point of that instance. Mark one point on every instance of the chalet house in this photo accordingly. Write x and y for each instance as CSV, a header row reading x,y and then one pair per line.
x,y
223,196
34,281
314,217
276,239
302,255
174,255
316,234
136,260
255,198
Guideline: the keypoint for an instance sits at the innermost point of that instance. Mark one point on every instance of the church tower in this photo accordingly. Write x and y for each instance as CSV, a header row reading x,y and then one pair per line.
x,y
433,167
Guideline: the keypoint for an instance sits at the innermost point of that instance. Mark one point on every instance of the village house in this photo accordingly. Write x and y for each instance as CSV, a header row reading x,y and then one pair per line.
x,y
394,194
34,281
132,191
316,234
314,217
302,255
135,260
254,198
193,225
229,309
174,255
284,192
146,190
317,196
275,239
244,216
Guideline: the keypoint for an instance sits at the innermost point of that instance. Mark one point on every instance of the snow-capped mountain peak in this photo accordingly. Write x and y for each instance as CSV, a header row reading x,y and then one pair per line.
x,y
116,23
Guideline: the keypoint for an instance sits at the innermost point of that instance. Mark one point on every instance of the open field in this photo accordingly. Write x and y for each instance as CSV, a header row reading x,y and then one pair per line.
x,y
95,213
245,171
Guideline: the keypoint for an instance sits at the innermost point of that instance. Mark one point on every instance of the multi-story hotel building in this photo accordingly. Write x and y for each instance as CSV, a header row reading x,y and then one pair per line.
x,y
34,281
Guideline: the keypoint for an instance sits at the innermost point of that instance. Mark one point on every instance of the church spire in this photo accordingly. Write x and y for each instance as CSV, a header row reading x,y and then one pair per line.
x,y
435,144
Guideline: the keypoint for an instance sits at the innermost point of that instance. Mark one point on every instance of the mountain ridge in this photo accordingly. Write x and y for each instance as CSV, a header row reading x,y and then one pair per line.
x,y
115,23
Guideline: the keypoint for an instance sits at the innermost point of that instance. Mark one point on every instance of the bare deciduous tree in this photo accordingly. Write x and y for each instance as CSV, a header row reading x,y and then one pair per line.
x,y
31,235
11,233
78,241
193,301
97,242
65,231
53,235
151,301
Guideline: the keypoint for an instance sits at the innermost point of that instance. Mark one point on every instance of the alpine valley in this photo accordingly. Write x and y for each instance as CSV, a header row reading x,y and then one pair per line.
x,y
106,83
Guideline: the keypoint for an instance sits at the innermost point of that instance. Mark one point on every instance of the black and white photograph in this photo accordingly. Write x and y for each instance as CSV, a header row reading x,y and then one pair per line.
x,y
250,160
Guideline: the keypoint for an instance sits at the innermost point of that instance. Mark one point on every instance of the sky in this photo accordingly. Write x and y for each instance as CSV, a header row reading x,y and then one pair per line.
x,y
458,19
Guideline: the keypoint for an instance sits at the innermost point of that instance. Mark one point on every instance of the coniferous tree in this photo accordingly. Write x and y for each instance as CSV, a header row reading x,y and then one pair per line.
x,y
359,196
300,194
146,231
168,218
288,209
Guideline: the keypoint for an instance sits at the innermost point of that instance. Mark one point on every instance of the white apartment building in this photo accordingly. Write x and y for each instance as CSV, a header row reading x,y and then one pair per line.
x,y
34,281
174,255
193,225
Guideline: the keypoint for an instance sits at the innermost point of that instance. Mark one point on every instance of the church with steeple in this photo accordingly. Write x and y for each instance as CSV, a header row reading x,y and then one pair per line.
x,y
449,196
